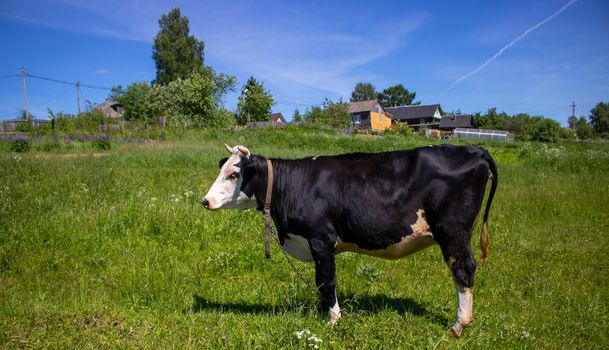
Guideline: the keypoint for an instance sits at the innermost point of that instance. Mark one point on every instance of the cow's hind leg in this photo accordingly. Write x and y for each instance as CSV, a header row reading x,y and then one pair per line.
x,y
463,266
454,238
325,277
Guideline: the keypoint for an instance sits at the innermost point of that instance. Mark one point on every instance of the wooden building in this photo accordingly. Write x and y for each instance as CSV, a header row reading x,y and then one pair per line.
x,y
369,115
451,122
416,116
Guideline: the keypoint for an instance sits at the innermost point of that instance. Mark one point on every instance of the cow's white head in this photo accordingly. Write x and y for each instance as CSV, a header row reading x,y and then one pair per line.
x,y
227,191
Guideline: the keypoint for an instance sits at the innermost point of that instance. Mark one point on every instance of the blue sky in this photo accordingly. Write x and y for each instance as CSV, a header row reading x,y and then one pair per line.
x,y
306,51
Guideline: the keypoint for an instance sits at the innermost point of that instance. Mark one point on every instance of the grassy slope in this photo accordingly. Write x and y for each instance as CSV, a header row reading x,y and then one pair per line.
x,y
116,251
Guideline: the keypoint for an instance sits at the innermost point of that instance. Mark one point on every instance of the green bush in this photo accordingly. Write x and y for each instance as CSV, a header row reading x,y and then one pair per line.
x,y
400,129
48,146
101,144
20,146
24,127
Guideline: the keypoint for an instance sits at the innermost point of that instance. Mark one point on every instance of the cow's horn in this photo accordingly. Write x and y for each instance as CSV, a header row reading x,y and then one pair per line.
x,y
244,151
228,149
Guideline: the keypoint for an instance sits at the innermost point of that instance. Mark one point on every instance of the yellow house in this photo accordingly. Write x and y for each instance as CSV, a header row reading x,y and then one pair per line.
x,y
369,115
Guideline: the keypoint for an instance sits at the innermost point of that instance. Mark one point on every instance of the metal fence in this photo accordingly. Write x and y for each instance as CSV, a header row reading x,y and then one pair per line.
x,y
11,125
258,125
483,134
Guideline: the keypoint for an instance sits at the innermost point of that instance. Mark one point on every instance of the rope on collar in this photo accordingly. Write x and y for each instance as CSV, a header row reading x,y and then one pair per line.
x,y
267,210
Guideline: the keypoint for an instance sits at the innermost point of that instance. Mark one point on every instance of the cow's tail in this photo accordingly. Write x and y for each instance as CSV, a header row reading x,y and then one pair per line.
x,y
493,177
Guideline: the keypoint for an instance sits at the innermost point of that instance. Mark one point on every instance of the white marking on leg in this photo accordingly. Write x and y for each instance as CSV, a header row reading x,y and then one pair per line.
x,y
334,312
465,298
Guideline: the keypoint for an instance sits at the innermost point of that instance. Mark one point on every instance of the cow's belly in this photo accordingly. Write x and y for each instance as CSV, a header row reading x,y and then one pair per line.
x,y
420,238
408,245
298,247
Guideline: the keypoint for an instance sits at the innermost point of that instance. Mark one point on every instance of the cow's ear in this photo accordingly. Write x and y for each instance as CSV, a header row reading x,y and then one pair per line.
x,y
222,161
248,164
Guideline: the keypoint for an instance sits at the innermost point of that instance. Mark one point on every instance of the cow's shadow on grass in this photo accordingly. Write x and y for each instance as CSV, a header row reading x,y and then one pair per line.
x,y
405,307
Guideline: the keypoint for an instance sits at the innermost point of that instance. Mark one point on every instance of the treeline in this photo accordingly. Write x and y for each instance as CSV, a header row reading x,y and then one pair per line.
x,y
537,128
329,113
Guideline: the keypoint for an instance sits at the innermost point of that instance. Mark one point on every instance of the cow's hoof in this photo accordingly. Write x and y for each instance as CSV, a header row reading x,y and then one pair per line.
x,y
456,330
333,319
458,327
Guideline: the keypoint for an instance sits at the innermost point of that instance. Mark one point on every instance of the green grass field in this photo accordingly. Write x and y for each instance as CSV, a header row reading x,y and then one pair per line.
x,y
113,250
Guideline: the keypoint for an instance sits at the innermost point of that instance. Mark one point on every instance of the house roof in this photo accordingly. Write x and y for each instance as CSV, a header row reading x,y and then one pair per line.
x,y
109,103
277,117
362,106
412,112
457,121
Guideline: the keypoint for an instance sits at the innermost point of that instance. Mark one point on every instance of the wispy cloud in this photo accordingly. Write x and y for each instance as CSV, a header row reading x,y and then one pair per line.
x,y
325,59
512,43
102,71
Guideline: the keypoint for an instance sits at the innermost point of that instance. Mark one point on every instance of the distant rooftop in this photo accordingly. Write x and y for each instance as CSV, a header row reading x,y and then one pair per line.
x,y
362,106
412,112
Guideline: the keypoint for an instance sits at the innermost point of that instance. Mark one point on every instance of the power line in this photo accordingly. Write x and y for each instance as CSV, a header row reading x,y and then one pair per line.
x,y
68,82
10,76
54,98
294,103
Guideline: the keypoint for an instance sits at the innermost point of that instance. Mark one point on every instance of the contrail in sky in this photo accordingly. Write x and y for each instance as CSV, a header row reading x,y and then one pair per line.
x,y
500,52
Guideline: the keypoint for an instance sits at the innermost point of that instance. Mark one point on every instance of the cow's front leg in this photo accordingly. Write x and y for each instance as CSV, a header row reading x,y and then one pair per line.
x,y
325,277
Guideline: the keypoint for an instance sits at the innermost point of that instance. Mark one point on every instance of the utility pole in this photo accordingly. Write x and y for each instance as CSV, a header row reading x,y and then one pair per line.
x,y
78,95
27,115
573,105
573,118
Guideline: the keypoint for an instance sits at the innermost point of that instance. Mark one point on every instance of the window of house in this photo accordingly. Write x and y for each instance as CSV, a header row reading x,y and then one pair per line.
x,y
380,118
422,121
357,119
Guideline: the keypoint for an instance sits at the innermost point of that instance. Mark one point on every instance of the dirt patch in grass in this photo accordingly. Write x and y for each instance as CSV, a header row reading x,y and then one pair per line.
x,y
71,155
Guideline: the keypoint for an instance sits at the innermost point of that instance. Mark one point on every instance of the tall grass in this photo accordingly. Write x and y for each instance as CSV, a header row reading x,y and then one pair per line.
x,y
113,249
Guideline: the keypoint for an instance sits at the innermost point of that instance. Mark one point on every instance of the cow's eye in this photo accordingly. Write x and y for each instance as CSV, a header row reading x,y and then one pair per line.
x,y
233,176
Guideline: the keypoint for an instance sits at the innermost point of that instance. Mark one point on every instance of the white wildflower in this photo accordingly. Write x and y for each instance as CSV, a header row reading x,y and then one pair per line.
x,y
302,333
312,340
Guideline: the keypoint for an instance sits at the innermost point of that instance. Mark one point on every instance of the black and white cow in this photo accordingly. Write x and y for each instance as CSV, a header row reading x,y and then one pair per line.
x,y
388,204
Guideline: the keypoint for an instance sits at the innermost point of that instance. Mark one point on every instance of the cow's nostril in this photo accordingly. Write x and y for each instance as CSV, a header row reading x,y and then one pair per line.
x,y
205,203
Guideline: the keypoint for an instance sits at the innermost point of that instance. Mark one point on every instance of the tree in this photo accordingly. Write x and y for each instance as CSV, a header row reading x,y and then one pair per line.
x,y
336,114
600,118
313,115
115,93
186,102
331,114
397,95
223,83
583,130
363,92
136,100
296,117
254,103
545,130
176,53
